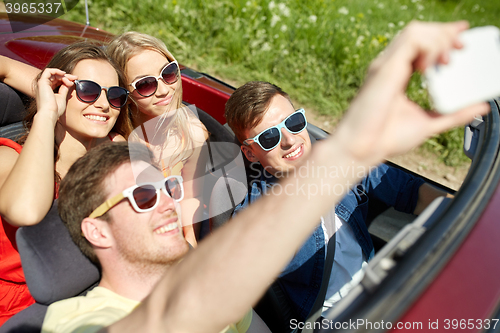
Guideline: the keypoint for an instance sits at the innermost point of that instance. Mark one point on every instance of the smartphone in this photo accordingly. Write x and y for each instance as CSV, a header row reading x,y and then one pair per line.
x,y
471,76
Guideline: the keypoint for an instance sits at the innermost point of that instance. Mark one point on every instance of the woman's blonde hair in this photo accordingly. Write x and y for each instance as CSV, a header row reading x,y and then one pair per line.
x,y
125,46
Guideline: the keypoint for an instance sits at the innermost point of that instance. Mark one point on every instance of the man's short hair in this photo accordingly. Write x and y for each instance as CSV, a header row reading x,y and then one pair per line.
x,y
83,188
247,105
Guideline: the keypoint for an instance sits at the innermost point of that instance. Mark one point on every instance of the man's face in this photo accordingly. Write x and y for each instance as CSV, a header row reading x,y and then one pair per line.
x,y
289,152
153,237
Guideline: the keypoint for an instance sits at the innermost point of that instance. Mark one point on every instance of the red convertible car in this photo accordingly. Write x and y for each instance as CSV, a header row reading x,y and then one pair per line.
x,y
440,272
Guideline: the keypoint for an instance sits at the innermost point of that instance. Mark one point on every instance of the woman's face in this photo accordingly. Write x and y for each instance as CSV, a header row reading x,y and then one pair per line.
x,y
86,121
150,63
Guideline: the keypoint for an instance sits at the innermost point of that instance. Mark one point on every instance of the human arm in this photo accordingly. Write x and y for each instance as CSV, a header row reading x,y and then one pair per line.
x,y
18,75
231,269
190,228
27,183
190,206
192,174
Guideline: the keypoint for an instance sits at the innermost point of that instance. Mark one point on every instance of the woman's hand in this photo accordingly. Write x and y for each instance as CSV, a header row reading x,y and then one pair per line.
x,y
50,103
27,191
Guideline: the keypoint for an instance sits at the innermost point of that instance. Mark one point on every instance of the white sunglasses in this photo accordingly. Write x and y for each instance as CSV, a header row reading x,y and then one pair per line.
x,y
144,197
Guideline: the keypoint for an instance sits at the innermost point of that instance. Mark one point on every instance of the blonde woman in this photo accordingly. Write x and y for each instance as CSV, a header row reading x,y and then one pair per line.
x,y
153,79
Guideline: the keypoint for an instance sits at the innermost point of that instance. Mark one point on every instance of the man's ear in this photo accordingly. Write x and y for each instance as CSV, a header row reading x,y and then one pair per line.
x,y
97,232
249,153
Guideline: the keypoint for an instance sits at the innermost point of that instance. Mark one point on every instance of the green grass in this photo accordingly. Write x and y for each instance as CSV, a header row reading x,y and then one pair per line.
x,y
318,51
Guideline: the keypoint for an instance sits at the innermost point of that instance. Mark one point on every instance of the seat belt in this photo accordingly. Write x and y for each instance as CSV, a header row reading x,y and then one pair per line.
x,y
317,308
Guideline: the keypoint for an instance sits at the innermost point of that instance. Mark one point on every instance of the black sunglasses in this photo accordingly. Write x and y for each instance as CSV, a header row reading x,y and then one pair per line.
x,y
269,138
89,91
146,86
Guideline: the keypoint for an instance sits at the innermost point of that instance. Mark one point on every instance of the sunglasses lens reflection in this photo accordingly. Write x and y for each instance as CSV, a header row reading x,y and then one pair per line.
x,y
270,138
169,73
147,86
296,123
88,91
117,96
174,189
145,196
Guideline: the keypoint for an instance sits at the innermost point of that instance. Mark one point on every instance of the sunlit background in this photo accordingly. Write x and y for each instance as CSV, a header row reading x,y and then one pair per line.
x,y
318,51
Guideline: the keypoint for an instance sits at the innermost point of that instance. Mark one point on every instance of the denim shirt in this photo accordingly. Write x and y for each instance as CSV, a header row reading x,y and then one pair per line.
x,y
301,279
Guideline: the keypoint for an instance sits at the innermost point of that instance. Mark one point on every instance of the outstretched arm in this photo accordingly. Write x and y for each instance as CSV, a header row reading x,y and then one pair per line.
x,y
18,75
216,284
27,180
191,205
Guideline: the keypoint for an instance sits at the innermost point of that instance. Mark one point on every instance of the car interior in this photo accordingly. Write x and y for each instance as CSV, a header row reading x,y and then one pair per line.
x,y
416,251
55,268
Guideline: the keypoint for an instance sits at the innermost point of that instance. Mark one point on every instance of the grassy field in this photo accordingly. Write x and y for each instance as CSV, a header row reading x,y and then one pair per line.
x,y
318,51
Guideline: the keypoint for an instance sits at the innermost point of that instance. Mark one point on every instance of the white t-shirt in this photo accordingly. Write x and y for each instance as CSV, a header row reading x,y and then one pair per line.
x,y
100,308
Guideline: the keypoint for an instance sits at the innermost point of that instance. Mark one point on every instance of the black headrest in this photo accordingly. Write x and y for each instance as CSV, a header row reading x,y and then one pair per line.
x,y
12,107
218,133
53,265
228,192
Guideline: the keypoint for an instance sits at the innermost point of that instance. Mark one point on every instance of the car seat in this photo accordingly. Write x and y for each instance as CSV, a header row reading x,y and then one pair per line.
x,y
274,307
12,112
229,191
223,155
54,268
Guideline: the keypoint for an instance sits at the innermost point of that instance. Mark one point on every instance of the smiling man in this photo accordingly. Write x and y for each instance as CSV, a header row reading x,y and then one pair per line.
x,y
215,285
276,140
280,148
132,232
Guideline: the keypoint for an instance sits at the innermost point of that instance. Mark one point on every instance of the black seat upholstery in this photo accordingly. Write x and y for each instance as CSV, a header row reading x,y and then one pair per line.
x,y
12,112
217,132
54,268
27,321
222,155
274,307
227,193
12,106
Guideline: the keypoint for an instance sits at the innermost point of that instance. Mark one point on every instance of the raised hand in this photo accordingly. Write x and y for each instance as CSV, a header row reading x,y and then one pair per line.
x,y
50,103
382,121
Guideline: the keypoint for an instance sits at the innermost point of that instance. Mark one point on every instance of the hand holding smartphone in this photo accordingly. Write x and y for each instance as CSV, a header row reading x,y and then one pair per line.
x,y
472,74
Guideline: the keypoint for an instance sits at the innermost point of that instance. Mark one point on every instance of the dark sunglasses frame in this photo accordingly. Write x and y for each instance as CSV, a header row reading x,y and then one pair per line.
x,y
79,92
157,78
279,126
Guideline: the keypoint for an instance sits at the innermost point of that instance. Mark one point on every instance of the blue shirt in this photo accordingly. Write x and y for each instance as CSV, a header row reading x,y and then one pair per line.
x,y
301,279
